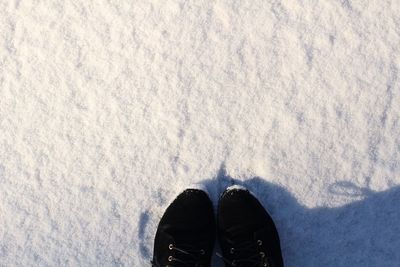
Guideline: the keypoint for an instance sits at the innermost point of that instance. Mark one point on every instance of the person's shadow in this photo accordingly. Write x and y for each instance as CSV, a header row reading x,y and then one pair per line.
x,y
363,233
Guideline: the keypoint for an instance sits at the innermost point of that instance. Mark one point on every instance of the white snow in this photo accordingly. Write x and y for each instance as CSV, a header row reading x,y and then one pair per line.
x,y
109,108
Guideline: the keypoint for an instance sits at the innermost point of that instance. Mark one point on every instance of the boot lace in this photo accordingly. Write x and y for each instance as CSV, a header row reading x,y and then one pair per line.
x,y
248,252
184,256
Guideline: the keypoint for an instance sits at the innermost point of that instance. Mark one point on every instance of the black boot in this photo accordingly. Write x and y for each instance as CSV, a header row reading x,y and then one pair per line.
x,y
247,234
186,232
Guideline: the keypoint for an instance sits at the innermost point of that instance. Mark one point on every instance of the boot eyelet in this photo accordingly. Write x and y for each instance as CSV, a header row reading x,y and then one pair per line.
x,y
233,263
170,258
232,250
202,252
259,242
170,246
262,254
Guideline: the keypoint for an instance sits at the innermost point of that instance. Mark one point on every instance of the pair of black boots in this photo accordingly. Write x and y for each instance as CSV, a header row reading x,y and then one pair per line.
x,y
187,231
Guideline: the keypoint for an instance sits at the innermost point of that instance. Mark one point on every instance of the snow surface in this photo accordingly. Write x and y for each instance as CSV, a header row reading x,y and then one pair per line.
x,y
109,108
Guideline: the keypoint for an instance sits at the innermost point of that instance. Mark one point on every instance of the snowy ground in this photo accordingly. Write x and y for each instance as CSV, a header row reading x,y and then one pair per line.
x,y
109,108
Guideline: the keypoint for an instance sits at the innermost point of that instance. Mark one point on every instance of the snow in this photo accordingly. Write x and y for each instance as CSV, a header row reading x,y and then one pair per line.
x,y
109,108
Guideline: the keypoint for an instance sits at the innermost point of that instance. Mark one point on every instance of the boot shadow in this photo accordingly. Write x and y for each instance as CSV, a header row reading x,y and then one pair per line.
x,y
365,232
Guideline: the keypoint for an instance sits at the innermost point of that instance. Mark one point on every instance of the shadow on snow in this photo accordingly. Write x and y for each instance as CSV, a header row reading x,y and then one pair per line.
x,y
363,233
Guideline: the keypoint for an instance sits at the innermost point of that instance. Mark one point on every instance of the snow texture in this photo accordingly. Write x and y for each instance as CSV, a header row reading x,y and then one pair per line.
x,y
109,108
